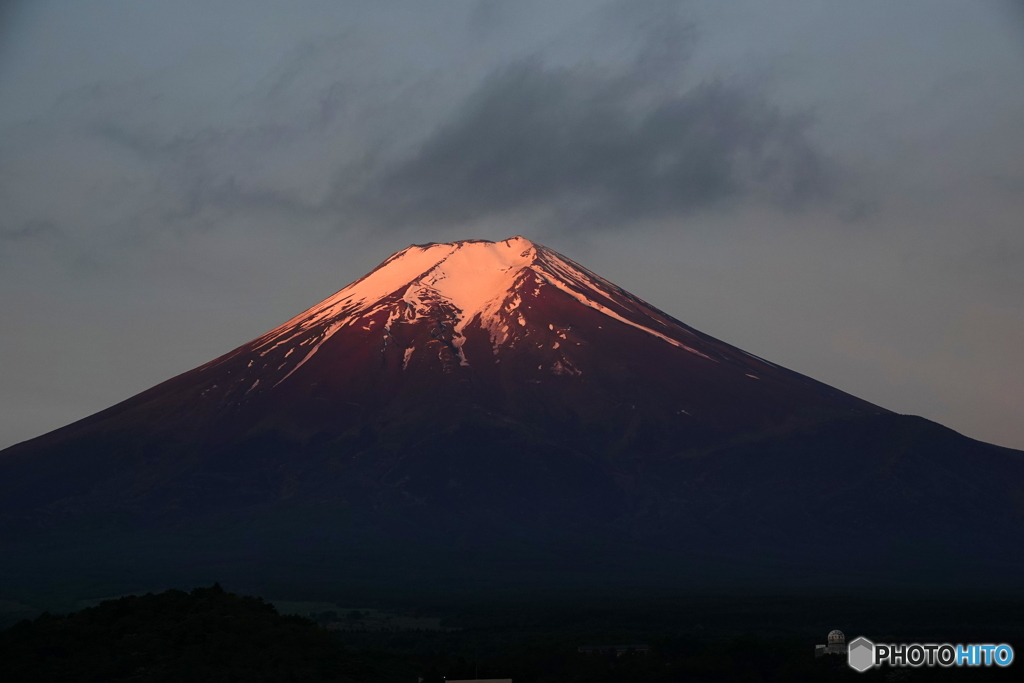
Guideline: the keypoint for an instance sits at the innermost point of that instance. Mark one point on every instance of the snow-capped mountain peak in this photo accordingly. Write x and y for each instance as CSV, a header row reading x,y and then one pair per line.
x,y
469,282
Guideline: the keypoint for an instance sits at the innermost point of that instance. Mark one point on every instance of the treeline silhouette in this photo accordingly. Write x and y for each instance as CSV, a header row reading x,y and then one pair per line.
x,y
207,634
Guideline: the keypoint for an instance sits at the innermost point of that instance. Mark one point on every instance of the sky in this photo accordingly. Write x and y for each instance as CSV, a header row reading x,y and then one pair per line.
x,y
836,187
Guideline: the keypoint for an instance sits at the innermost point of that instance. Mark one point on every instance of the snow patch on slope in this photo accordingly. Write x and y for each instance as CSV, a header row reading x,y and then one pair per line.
x,y
327,335
570,274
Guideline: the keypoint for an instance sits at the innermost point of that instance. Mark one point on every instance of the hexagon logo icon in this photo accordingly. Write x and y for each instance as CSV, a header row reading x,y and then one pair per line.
x,y
861,654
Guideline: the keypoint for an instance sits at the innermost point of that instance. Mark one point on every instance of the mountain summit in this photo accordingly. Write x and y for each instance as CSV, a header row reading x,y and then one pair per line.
x,y
473,286
497,400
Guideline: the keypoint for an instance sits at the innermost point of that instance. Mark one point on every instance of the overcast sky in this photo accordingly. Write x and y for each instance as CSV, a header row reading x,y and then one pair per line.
x,y
835,186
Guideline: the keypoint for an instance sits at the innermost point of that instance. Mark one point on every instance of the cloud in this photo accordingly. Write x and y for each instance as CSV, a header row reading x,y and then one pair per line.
x,y
603,148
30,231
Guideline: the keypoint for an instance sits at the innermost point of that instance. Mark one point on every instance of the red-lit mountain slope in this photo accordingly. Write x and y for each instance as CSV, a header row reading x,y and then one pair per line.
x,y
511,329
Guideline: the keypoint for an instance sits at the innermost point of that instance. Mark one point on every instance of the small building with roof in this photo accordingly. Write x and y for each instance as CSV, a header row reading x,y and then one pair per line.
x,y
836,645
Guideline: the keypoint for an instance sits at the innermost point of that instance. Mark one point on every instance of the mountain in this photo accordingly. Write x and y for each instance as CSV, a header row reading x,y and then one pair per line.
x,y
494,413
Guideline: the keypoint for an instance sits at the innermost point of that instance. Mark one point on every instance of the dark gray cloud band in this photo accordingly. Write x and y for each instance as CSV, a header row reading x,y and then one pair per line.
x,y
602,148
